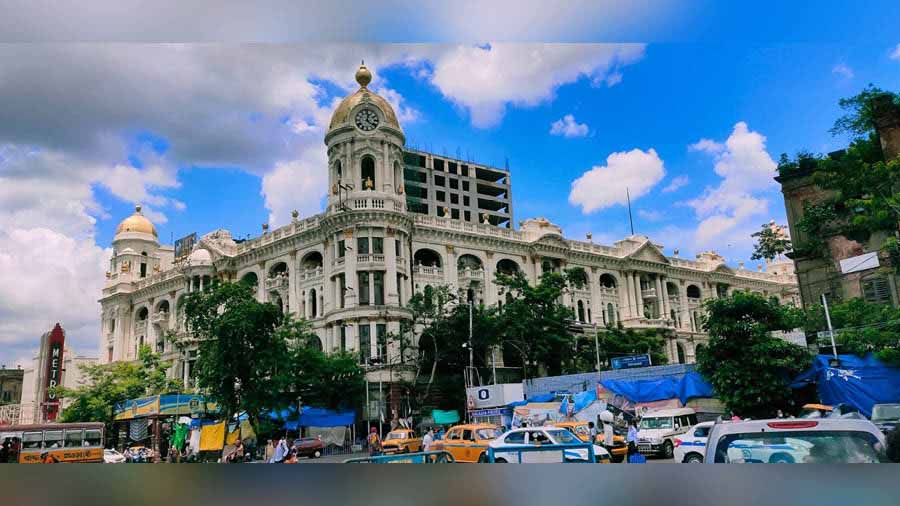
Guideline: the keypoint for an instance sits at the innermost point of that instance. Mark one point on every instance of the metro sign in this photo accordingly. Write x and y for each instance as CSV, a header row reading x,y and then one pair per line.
x,y
55,344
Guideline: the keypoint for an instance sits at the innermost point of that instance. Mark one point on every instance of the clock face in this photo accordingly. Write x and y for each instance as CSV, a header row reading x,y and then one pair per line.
x,y
366,120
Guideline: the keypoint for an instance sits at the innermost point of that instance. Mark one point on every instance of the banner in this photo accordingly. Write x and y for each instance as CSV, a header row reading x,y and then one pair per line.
x,y
55,342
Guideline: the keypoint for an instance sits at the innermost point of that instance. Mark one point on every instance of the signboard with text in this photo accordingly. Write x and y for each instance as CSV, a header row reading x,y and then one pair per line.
x,y
53,374
185,245
631,361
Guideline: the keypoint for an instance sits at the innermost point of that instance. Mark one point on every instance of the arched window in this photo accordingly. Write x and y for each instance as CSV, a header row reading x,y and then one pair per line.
x,y
338,173
698,349
315,343
250,279
581,311
693,292
610,314
427,257
607,281
589,315
507,267
681,353
367,173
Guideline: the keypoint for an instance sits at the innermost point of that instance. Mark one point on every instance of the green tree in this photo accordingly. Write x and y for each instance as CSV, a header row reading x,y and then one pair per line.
x,y
109,384
862,327
749,369
243,361
771,242
536,322
615,342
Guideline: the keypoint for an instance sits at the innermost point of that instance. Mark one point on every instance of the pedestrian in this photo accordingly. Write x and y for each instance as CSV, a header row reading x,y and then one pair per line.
x,y
237,455
780,414
440,434
632,436
281,451
734,417
608,435
374,443
270,450
428,440
291,454
634,456
4,451
593,431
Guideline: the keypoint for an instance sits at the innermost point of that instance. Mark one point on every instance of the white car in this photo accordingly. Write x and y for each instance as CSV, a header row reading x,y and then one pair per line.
x,y
798,440
691,446
659,428
543,436
111,456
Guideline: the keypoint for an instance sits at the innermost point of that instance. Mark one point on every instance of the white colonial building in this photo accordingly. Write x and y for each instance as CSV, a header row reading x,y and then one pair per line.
x,y
351,270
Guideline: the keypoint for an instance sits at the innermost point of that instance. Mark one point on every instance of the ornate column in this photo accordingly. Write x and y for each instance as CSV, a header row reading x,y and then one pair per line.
x,y
596,303
628,299
392,298
638,296
667,305
685,307
657,281
261,284
350,277
451,277
292,305
490,289
331,293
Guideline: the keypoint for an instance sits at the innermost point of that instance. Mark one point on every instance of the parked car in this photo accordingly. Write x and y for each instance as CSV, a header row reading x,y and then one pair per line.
x,y
691,446
886,416
111,456
544,436
401,441
468,443
659,428
581,430
819,440
816,410
311,447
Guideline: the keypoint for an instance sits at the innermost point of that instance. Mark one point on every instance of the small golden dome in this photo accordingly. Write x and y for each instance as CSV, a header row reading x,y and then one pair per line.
x,y
363,94
136,223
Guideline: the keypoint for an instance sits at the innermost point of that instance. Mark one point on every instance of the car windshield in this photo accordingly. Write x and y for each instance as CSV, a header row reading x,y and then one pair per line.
x,y
396,435
656,423
796,447
886,412
563,437
488,433
581,429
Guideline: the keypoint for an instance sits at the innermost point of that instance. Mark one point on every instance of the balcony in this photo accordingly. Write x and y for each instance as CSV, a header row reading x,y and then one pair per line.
x,y
428,271
312,274
277,282
694,301
648,293
370,258
650,323
159,318
608,292
471,275
339,261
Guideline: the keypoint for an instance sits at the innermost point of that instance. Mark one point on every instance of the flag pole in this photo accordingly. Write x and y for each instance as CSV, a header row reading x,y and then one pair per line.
x,y
630,219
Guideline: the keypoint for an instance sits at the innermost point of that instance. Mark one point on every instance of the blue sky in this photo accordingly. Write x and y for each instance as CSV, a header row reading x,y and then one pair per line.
x,y
687,103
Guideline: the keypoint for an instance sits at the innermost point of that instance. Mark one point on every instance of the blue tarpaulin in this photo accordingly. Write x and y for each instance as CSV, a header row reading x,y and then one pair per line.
x,y
690,386
313,417
580,400
859,381
536,398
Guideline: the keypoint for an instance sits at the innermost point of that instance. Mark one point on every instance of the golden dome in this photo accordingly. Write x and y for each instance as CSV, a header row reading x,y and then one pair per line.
x,y
136,223
342,113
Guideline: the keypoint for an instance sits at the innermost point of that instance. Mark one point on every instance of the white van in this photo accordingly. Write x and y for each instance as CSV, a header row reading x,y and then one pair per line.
x,y
658,429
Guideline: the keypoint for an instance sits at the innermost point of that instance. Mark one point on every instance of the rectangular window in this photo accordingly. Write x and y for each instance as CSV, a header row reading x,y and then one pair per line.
x,y
74,438
468,215
876,290
454,184
378,245
441,196
438,164
399,289
381,337
110,350
363,288
465,186
452,167
32,440
365,343
454,198
53,439
465,200
143,270
343,338
342,286
362,245
454,213
439,181
341,249
397,250
379,288
93,437
464,170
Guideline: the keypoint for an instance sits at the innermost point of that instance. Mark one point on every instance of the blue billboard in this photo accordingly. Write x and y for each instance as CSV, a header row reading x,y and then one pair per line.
x,y
631,362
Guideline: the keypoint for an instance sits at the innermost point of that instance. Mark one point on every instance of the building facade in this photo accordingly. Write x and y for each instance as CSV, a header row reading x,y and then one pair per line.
x,y
352,269
11,386
849,269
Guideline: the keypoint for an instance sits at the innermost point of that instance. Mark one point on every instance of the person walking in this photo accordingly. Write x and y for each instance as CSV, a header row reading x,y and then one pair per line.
x,y
374,443
428,440
592,430
281,451
608,435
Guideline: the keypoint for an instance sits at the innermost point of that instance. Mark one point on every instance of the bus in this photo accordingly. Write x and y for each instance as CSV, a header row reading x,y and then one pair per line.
x,y
52,442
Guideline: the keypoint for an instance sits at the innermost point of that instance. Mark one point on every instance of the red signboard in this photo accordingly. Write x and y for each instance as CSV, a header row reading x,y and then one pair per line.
x,y
55,344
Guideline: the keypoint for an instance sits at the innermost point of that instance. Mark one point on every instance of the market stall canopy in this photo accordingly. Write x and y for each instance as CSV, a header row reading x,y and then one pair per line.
x,y
689,386
313,417
861,382
535,399
442,417
165,405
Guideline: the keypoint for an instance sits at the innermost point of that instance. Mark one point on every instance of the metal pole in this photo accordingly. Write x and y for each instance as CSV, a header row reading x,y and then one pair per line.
x,y
597,345
830,329
494,363
471,350
368,404
380,406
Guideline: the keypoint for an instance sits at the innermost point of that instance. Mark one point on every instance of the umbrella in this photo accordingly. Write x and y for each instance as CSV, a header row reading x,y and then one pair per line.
x,y
606,416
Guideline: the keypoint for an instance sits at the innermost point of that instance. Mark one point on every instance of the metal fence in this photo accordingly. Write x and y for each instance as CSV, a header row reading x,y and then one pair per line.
x,y
580,453
436,457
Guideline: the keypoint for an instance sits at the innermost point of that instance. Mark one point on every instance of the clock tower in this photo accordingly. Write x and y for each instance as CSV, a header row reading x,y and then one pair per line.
x,y
365,152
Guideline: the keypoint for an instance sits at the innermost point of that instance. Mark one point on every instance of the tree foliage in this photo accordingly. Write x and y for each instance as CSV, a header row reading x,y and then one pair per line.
x,y
861,327
615,342
749,369
771,242
109,384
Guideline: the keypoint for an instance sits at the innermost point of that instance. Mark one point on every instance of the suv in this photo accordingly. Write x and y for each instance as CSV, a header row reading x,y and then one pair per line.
x,y
886,416
798,440
691,446
658,429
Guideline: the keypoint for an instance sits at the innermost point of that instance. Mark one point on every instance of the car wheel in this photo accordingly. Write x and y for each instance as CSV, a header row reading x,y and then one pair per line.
x,y
693,459
482,459
781,458
500,460
668,450
316,454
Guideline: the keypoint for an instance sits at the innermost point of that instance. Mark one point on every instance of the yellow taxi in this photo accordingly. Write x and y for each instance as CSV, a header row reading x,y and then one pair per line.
x,y
401,441
581,430
469,442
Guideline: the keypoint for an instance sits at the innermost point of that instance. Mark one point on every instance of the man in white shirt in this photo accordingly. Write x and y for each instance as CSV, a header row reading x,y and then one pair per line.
x,y
428,440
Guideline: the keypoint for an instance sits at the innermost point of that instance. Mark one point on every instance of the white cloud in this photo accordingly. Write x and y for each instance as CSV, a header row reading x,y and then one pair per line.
x,y
605,186
707,145
747,172
895,54
288,180
568,127
676,183
613,78
650,214
485,79
843,71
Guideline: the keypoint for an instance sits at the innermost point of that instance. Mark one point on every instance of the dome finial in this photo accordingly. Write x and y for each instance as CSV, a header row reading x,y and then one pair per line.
x,y
363,76
137,209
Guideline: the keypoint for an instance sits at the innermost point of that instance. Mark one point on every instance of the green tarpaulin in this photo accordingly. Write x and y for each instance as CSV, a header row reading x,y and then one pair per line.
x,y
445,417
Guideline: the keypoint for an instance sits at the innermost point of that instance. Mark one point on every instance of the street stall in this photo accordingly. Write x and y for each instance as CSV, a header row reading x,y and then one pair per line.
x,y
147,424
333,428
643,395
855,381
